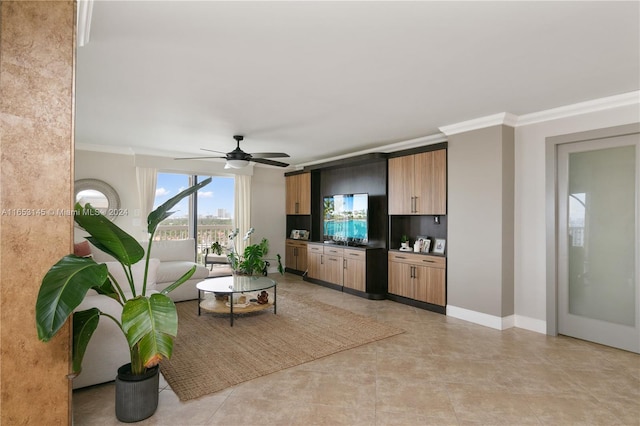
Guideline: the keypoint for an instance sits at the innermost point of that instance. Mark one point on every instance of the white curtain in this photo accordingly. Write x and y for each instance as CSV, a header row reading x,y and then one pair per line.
x,y
242,209
147,179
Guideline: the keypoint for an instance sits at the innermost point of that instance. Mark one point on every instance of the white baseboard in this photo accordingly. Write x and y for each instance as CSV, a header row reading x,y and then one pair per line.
x,y
480,318
498,323
531,324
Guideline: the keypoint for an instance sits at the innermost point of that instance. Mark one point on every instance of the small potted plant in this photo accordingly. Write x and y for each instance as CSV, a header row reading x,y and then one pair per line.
x,y
216,248
149,320
404,242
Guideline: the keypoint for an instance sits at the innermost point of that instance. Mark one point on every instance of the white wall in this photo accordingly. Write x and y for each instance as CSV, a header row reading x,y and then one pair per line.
x,y
119,171
268,210
530,205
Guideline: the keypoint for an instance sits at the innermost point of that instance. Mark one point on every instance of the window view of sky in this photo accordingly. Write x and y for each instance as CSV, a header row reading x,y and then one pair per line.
x,y
214,200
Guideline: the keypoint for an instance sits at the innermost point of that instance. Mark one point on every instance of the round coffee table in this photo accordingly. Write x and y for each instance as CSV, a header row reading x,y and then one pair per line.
x,y
233,285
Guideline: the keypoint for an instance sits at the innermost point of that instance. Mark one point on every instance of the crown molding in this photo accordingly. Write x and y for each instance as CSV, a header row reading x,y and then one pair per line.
x,y
84,10
508,119
396,146
610,102
108,149
503,118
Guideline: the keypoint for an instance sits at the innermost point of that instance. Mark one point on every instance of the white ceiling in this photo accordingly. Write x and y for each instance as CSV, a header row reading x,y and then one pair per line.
x,y
323,79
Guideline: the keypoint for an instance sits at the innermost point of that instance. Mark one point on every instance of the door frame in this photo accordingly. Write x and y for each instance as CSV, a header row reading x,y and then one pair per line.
x,y
551,210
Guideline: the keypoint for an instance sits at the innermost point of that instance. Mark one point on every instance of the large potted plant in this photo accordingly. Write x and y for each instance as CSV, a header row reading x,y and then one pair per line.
x,y
149,320
253,260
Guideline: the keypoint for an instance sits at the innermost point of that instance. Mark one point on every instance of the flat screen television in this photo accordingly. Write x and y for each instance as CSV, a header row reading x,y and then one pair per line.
x,y
345,218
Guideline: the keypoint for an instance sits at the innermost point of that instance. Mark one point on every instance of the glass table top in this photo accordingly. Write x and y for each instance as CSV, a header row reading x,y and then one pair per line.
x,y
236,284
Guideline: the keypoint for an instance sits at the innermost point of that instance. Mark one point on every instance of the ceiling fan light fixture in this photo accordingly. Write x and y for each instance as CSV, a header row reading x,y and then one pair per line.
x,y
237,164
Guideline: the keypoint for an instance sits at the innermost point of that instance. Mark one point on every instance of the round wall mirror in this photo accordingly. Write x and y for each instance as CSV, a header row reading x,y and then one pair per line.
x,y
99,194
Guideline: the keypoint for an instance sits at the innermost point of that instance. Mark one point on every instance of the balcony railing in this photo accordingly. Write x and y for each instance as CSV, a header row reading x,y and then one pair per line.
x,y
207,235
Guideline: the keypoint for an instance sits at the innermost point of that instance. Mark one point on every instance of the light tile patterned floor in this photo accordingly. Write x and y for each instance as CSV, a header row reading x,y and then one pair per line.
x,y
442,371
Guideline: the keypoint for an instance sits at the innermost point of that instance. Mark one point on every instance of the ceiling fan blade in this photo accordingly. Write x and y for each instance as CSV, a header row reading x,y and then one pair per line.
x,y
269,155
269,162
211,150
195,158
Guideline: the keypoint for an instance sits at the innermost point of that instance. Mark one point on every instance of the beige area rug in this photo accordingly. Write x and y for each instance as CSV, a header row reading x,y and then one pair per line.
x,y
209,355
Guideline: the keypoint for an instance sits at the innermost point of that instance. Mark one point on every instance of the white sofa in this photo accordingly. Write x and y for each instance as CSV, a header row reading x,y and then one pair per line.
x,y
108,348
176,258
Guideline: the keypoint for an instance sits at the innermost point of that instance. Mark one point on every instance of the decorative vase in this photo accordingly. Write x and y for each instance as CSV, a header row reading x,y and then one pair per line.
x,y
136,395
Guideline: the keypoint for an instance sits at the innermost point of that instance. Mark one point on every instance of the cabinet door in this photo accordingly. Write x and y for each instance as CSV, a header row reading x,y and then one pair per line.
x,y
290,260
331,269
430,285
421,283
298,194
354,273
401,185
436,292
439,182
291,187
314,263
302,258
422,183
304,193
400,279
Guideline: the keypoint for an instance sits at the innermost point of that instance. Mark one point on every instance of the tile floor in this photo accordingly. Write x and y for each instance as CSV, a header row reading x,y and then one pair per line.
x,y
442,371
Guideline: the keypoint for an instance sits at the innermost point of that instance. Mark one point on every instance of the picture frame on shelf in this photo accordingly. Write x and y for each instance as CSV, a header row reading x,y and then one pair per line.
x,y
439,245
424,242
426,246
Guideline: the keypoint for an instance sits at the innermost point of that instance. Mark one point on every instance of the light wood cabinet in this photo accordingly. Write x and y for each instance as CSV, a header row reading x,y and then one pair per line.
x,y
331,269
298,194
296,255
417,184
418,277
314,260
398,282
354,269
337,265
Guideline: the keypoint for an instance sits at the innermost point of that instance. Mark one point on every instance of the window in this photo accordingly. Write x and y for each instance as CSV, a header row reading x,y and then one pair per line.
x,y
208,218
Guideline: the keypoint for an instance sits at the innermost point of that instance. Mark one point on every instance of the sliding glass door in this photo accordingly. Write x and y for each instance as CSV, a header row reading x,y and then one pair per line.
x,y
207,218
598,294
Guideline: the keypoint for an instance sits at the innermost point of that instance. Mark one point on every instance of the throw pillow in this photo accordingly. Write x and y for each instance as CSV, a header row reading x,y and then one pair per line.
x,y
82,249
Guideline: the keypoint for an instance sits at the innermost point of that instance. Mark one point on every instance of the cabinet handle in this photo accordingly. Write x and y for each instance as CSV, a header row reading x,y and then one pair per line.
x,y
412,209
415,204
400,257
428,261
296,209
344,263
322,259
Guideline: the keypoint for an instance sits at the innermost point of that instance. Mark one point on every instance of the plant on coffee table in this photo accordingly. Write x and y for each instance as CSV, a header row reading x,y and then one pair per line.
x,y
252,261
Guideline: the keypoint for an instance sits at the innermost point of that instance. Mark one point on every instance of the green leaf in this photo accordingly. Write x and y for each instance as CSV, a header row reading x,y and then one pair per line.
x,y
180,281
107,236
151,323
63,289
280,268
162,212
84,324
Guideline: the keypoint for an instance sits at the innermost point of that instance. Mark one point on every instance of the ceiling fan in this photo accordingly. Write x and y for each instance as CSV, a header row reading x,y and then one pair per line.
x,y
238,159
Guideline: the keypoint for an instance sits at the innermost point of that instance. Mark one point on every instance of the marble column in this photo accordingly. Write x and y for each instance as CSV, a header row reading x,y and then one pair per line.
x,y
37,45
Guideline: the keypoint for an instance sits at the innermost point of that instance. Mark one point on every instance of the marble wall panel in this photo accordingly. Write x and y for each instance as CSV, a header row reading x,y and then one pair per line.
x,y
36,181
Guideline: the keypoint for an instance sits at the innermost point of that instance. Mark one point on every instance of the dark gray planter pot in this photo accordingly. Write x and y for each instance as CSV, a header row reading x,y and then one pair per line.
x,y
136,396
